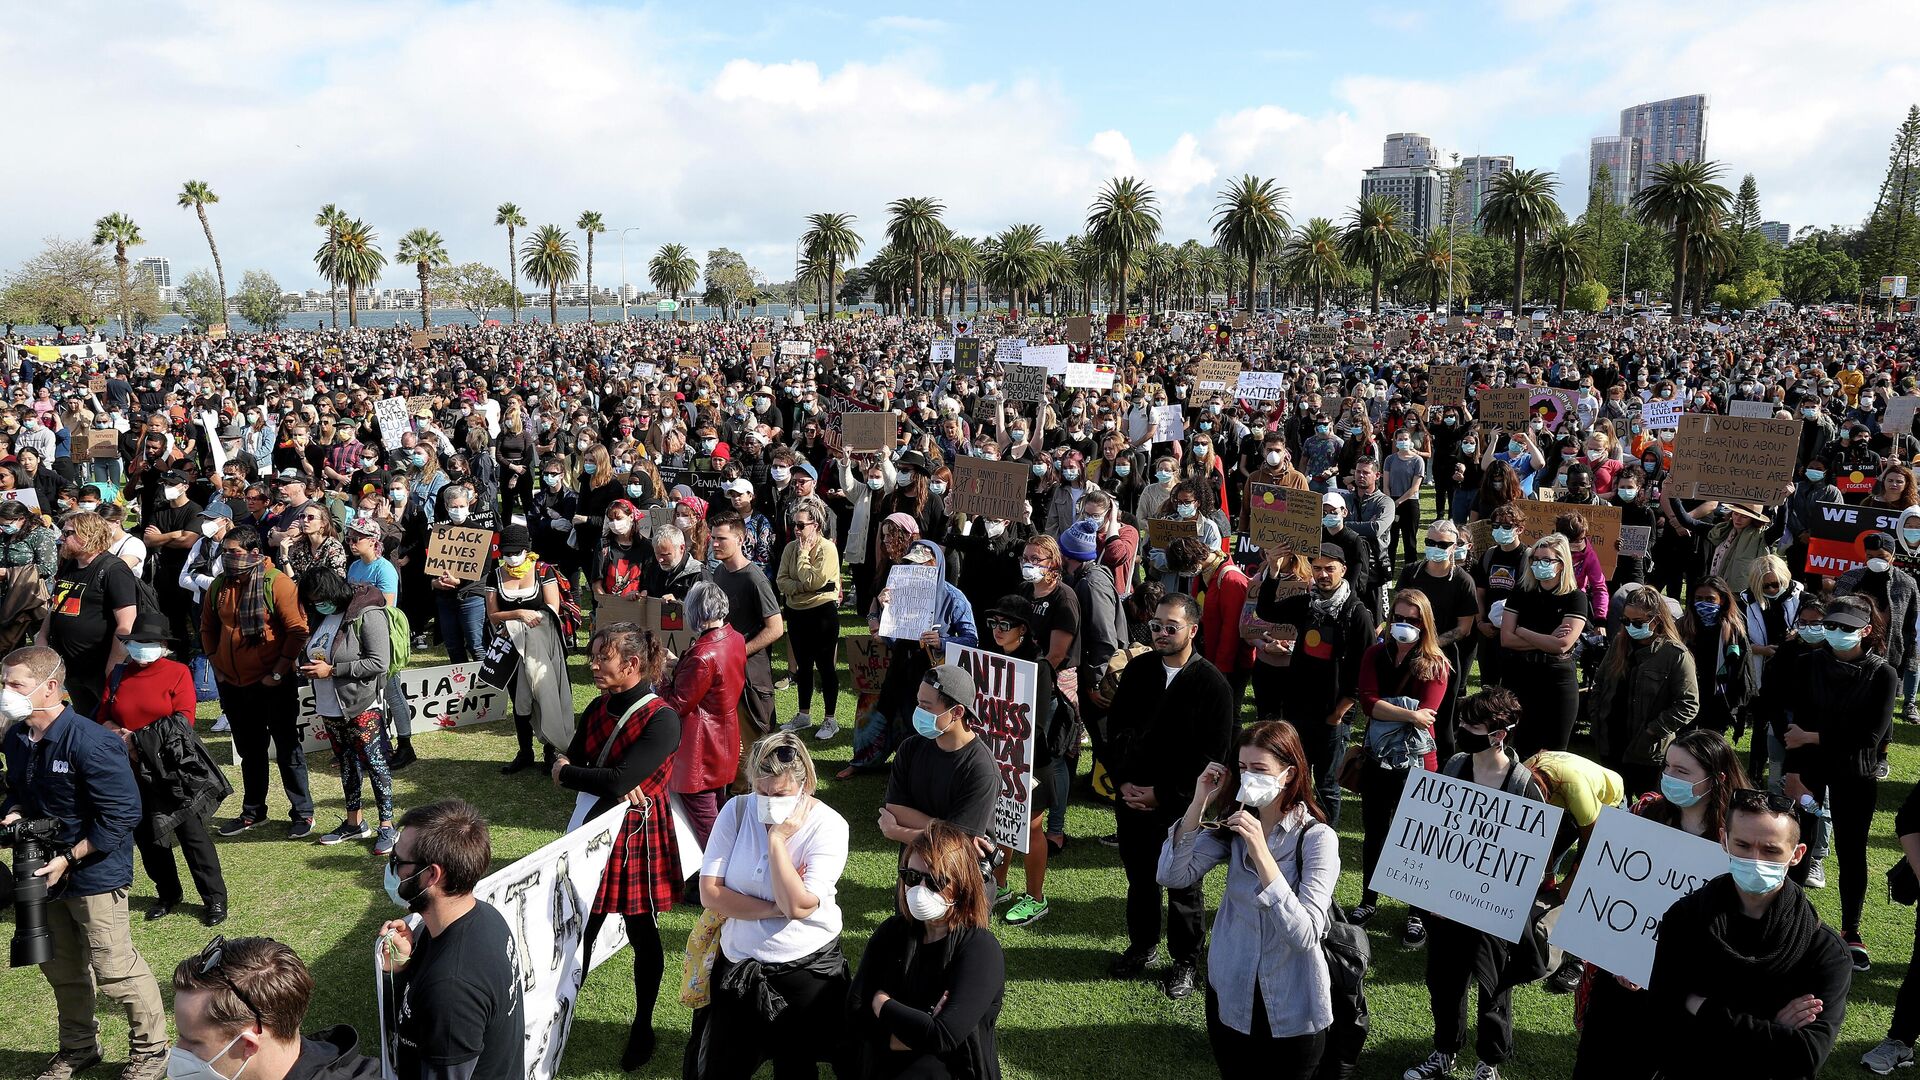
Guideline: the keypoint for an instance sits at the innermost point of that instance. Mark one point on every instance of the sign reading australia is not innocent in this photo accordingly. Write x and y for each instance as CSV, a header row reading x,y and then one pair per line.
x,y
1469,853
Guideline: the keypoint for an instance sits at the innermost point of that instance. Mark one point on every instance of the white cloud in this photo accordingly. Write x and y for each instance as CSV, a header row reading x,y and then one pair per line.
x,y
908,24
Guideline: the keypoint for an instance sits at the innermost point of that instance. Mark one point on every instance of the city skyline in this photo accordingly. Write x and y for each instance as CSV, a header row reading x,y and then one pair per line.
x,y
709,137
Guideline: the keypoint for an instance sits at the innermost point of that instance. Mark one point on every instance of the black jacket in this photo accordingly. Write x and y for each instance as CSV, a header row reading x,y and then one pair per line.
x,y
1168,732
330,1055
177,776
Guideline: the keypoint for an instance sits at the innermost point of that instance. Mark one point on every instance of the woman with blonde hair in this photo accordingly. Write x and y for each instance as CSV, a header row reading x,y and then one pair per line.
x,y
1540,631
597,492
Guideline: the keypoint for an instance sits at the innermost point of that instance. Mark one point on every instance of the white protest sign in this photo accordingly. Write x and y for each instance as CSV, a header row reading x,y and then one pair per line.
x,y
1661,415
941,351
1006,700
1090,376
1168,424
1008,350
1468,853
445,696
796,348
1764,409
1632,873
391,415
210,423
1051,357
1262,385
1900,410
26,497
913,598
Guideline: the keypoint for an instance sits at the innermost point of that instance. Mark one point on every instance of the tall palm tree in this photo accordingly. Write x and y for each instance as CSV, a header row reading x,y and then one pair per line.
x,y
830,239
1124,218
1563,255
1715,250
914,226
509,215
1250,221
1017,262
1685,200
351,257
1428,267
590,223
198,194
1519,209
119,230
425,250
1376,235
1054,268
550,258
959,258
330,218
673,269
1313,259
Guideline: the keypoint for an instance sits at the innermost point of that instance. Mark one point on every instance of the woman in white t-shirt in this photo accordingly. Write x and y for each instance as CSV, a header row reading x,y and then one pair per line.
x,y
772,867
123,545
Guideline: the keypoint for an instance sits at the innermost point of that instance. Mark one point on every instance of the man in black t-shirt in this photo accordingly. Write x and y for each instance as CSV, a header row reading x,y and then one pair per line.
x,y
169,532
455,1008
754,611
90,602
944,772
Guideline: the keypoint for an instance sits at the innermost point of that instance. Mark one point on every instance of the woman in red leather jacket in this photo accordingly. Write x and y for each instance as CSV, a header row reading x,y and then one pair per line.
x,y
705,691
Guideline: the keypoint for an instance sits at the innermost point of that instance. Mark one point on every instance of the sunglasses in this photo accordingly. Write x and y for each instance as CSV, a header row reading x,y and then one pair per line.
x,y
778,757
1002,625
1838,627
1157,627
1755,799
209,967
911,877
1637,624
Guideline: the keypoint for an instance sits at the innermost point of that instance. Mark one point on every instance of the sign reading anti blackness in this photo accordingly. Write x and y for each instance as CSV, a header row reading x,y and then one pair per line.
x,y
1005,699
1466,852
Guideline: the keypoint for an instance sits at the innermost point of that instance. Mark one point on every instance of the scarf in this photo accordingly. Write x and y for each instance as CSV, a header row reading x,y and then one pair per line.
x,y
1788,927
1332,603
250,615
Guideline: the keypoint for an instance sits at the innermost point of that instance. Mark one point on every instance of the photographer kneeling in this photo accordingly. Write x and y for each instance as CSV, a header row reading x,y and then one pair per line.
x,y
74,774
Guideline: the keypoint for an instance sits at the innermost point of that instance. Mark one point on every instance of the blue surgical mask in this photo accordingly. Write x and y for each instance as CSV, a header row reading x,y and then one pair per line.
x,y
1162,475
1122,470
1319,429
587,468
1069,474
1756,877
1039,469
1811,633
1330,521
1815,476
1185,510
1639,633
1627,495
397,498
937,487
1438,554
145,652
636,491
552,480
1468,446
325,608
1503,537
1678,791
1843,640
1545,571
927,724
419,460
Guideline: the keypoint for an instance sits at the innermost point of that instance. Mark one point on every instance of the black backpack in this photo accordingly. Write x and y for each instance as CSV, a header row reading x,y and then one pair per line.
x,y
1348,956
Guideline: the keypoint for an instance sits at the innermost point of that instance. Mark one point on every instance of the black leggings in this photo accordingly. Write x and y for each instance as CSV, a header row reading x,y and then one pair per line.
x,y
1549,694
1379,798
1413,540
814,632
1851,800
649,961
1258,1054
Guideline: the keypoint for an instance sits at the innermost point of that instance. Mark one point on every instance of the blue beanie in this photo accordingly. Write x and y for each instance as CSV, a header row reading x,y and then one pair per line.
x,y
1081,541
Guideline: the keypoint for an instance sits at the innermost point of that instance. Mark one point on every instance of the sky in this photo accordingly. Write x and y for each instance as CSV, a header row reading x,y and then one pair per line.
x,y
682,125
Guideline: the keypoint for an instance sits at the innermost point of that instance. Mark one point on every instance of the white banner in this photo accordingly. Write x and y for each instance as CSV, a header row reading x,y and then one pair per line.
x,y
50,353
796,348
1090,376
940,351
1051,357
1764,409
447,696
1633,871
1468,853
1262,385
1006,699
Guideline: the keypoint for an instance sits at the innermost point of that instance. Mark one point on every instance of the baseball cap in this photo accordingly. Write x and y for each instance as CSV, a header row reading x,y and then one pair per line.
x,y
1847,617
173,476
1334,498
956,683
807,467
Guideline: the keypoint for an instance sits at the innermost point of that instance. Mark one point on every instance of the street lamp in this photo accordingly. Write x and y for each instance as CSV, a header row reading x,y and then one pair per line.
x,y
623,271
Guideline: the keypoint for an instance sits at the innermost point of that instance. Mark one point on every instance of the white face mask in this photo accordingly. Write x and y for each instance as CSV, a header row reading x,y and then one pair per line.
x,y
774,809
457,514
620,526
1258,789
182,1065
926,905
145,652
209,529
995,528
171,493
15,705
516,561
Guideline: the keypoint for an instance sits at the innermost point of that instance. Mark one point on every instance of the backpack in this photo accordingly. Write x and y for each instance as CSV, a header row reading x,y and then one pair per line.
x,y
570,615
1348,956
399,640
146,602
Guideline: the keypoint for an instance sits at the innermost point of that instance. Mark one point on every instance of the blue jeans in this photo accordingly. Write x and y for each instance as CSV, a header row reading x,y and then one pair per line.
x,y
463,622
1060,778
398,710
1462,504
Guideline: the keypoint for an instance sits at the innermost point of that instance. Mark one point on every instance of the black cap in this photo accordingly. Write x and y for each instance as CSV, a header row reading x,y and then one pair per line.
x,y
1878,541
1015,608
1847,617
1332,551
150,627
173,476
515,538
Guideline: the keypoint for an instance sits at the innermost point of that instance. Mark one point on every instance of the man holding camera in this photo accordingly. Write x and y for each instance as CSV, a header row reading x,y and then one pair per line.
x,y
72,789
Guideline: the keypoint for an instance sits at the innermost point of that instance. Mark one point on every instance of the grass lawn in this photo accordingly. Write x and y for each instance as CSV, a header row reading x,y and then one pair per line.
x,y
1062,1018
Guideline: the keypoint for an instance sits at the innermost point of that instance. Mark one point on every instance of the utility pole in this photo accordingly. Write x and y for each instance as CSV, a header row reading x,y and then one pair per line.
x,y
1625,246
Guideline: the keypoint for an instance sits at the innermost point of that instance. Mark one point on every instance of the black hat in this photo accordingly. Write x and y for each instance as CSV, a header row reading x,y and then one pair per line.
x,y
515,538
1015,608
1878,541
1847,617
1332,551
914,459
150,626
173,476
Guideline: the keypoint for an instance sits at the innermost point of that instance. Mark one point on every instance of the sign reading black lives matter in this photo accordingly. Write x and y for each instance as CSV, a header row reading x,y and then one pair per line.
x,y
1468,853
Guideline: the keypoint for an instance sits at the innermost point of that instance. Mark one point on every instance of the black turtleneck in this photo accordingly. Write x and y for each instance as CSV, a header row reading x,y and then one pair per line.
x,y
646,754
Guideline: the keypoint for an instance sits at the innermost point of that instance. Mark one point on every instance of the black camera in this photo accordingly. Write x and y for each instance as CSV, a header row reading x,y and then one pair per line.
x,y
32,840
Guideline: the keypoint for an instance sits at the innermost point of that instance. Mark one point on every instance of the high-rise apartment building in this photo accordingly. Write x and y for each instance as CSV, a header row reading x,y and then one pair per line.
x,y
1664,132
1407,148
1410,175
160,268
1476,181
1621,155
1777,231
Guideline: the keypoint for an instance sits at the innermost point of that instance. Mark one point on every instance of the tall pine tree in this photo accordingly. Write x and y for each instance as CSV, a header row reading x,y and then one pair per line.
x,y
1891,237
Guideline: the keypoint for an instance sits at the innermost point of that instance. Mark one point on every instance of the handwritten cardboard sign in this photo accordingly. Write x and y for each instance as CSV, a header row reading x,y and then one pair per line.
x,y
1447,384
1284,515
458,552
990,489
1505,406
1734,457
1006,701
868,659
1025,382
869,430
1164,531
1217,374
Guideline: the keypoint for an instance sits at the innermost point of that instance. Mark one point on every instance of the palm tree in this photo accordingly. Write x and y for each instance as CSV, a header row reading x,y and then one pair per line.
x,y
509,215
119,230
673,270
914,226
590,223
1714,252
550,258
197,194
1375,236
1016,261
351,258
1054,268
1250,221
1428,269
1563,255
1520,208
959,261
330,218
1313,259
830,239
1685,200
425,250
1124,218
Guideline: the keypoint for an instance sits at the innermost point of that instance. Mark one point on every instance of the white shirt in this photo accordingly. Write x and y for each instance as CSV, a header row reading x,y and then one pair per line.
x,y
737,855
131,547
320,647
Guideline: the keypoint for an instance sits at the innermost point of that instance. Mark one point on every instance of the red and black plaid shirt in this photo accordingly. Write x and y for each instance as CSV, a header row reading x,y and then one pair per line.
x,y
643,873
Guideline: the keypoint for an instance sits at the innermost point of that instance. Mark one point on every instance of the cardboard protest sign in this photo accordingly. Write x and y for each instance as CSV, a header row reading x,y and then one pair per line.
x,y
458,552
913,604
990,489
1731,457
1900,413
1837,530
869,430
443,696
1079,329
1053,358
1090,376
761,349
1447,384
1764,409
1468,853
1635,540
1603,526
1261,385
391,414
1164,531
1634,870
1506,406
1395,338
1025,382
1323,335
97,383
419,340
1660,415
868,659
1006,701
1283,515
1217,374
608,610
966,355
100,443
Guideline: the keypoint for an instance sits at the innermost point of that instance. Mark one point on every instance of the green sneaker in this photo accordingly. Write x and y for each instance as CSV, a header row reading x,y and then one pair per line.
x,y
1003,894
1026,911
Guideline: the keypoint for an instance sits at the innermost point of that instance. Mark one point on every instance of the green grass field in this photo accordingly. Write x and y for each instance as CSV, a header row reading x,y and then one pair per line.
x,y
1062,1018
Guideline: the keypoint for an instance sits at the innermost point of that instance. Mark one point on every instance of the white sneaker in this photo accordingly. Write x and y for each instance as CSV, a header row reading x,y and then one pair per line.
x,y
1891,1054
1437,1065
800,722
1817,875
221,724
828,729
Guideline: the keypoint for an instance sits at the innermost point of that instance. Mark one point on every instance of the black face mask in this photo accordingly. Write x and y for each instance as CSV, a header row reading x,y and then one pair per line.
x,y
1469,743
